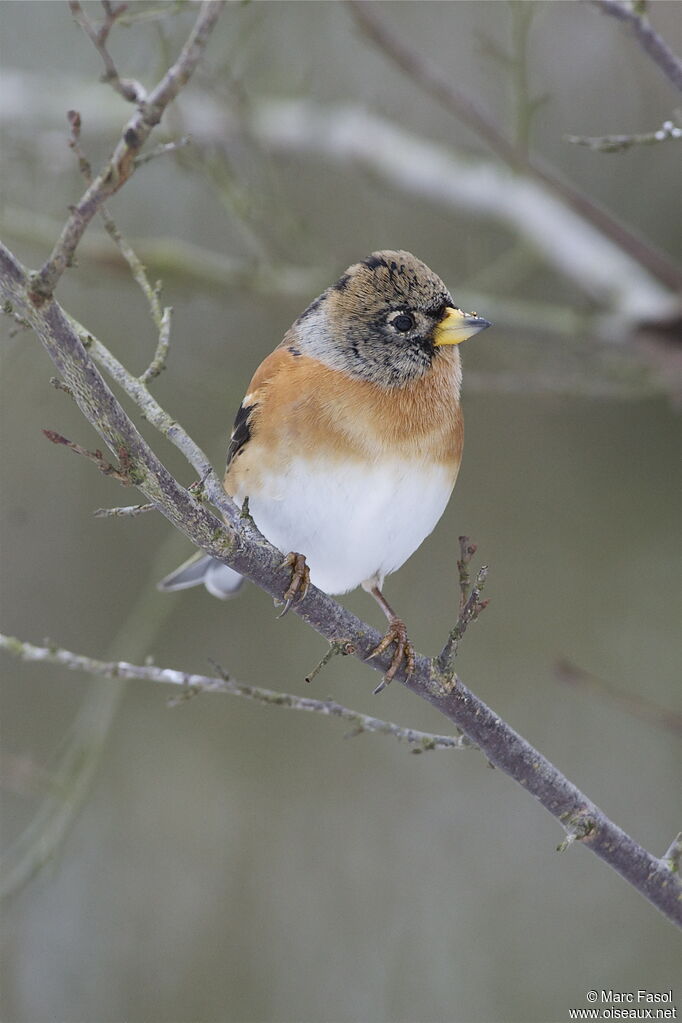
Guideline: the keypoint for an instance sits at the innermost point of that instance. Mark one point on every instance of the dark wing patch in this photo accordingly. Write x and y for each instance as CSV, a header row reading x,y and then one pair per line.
x,y
241,432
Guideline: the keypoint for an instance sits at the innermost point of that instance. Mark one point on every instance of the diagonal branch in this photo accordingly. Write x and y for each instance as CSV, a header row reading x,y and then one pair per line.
x,y
650,41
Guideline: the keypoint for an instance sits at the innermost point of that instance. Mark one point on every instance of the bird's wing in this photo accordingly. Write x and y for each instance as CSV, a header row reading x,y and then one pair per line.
x,y
246,420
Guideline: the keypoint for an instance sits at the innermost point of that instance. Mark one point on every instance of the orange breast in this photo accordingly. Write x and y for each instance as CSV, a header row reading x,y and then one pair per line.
x,y
303,408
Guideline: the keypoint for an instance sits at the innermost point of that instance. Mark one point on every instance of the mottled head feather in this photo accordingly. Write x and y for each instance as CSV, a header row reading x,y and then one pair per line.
x,y
354,325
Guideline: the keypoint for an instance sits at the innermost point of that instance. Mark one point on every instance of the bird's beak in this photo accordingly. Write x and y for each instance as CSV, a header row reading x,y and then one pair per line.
x,y
457,326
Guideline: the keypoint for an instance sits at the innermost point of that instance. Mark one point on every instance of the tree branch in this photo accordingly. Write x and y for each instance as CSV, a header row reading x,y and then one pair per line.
x,y
122,163
617,143
192,684
650,41
131,91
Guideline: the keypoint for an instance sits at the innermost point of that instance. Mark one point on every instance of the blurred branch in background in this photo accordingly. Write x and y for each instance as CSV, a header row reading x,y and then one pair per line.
x,y
571,674
72,775
633,14
348,135
175,259
516,156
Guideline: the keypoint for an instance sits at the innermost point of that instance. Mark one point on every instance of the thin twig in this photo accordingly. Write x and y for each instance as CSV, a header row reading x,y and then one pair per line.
x,y
335,649
651,42
158,363
119,168
617,143
163,149
193,683
467,549
121,474
161,317
160,419
131,90
470,610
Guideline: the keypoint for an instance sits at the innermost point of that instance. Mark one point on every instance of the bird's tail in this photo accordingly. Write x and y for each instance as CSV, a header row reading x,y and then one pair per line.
x,y
219,580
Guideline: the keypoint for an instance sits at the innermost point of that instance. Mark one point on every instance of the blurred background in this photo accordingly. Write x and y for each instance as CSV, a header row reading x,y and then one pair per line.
x,y
224,861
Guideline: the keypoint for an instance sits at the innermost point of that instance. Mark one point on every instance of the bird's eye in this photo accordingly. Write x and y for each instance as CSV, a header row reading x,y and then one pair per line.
x,y
403,322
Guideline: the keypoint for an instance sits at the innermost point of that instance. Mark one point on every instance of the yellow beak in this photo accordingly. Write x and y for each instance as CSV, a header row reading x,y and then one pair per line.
x,y
457,326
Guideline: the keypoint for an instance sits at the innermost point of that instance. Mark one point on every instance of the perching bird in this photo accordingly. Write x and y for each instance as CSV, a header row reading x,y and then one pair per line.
x,y
349,439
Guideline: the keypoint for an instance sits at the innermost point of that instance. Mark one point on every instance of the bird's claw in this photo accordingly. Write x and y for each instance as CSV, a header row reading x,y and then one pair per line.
x,y
403,654
300,580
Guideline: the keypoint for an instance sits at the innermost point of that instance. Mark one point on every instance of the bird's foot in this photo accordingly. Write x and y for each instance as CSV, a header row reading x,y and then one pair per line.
x,y
403,654
299,582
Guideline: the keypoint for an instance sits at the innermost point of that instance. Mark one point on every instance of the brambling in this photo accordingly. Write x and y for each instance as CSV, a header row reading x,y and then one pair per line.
x,y
349,439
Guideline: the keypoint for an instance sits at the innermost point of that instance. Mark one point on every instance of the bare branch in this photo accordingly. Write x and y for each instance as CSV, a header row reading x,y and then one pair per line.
x,y
192,683
161,317
97,457
158,363
436,84
650,41
470,605
162,150
617,143
122,163
467,549
131,91
159,418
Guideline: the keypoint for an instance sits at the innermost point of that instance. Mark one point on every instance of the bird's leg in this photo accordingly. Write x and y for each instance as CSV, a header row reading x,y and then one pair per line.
x,y
299,582
396,633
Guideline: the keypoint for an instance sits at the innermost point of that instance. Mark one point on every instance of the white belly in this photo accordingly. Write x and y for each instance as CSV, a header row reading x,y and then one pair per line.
x,y
353,523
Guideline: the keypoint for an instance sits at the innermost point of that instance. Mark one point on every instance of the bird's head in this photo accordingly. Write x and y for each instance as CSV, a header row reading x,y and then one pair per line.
x,y
385,320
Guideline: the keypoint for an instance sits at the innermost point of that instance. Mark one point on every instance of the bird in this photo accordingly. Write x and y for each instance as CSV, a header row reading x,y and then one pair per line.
x,y
349,439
